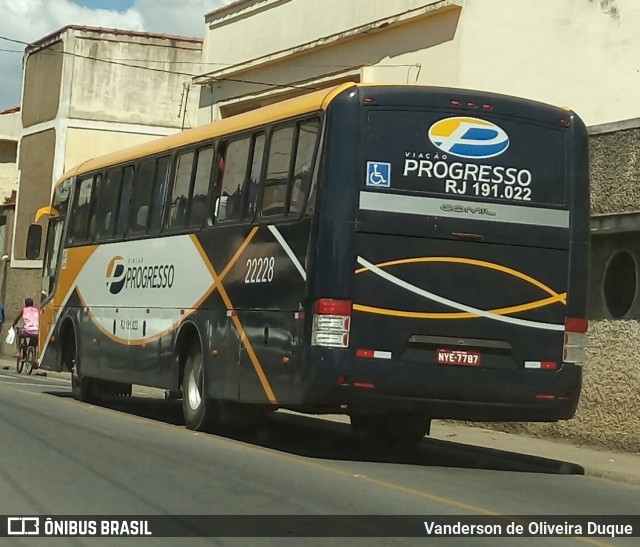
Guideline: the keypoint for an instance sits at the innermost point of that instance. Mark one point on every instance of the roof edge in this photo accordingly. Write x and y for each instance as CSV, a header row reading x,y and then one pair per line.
x,y
104,30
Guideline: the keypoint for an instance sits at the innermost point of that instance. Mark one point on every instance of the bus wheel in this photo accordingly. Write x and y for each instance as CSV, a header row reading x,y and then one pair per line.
x,y
394,429
81,387
200,413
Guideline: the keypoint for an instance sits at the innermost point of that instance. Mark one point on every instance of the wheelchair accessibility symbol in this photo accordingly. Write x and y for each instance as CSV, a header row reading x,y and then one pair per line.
x,y
378,174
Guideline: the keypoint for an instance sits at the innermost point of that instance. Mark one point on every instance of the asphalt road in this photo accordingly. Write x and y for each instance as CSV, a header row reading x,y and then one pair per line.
x,y
134,457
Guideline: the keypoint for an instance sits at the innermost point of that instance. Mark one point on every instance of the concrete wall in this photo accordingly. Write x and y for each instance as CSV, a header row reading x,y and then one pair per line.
x,y
615,166
42,85
120,92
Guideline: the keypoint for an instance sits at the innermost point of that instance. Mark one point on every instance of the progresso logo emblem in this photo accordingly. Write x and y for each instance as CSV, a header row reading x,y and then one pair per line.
x,y
470,138
115,274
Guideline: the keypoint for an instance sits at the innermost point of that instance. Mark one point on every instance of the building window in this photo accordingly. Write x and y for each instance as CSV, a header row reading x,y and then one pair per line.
x,y
619,285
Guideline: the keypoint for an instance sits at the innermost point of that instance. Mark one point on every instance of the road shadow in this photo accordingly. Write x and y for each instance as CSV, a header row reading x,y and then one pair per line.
x,y
324,439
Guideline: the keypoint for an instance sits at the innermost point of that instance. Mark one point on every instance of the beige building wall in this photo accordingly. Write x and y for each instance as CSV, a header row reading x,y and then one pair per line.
x,y
369,42
83,143
42,71
10,124
37,154
577,53
8,171
9,133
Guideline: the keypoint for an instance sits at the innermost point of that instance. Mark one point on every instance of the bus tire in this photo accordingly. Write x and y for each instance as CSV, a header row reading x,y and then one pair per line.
x,y
82,388
200,413
390,430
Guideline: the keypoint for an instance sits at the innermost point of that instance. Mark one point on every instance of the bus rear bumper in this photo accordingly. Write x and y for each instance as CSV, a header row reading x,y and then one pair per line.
x,y
471,411
458,393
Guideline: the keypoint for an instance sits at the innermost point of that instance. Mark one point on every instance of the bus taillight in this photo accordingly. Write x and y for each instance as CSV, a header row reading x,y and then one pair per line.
x,y
331,323
575,340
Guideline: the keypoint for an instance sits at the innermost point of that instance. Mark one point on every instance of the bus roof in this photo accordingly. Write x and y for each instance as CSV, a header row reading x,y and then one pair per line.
x,y
311,102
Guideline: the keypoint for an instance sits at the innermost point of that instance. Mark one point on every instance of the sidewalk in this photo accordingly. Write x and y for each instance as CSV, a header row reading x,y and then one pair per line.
x,y
601,463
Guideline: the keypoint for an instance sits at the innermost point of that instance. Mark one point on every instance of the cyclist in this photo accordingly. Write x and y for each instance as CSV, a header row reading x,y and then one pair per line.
x,y
30,316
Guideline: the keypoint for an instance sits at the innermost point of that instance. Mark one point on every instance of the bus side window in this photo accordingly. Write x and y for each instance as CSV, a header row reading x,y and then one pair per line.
x,y
180,191
97,185
163,168
303,172
200,193
108,203
79,228
254,176
142,187
274,193
124,203
229,188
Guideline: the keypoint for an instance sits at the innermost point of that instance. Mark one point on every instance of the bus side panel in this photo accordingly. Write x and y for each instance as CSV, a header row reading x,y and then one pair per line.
x,y
261,274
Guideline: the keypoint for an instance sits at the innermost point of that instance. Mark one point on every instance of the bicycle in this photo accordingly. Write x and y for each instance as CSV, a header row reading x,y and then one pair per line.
x,y
26,355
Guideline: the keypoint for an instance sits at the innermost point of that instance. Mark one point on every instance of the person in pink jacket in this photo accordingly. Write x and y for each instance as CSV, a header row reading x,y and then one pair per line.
x,y
30,316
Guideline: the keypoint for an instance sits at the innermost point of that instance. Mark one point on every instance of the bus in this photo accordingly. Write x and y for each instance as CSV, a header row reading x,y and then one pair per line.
x,y
393,253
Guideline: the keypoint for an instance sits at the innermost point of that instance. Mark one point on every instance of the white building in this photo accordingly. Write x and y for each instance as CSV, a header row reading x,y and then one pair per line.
x,y
581,53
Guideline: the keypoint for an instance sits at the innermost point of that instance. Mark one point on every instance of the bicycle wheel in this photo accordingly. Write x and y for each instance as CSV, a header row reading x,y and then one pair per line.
x,y
20,359
30,359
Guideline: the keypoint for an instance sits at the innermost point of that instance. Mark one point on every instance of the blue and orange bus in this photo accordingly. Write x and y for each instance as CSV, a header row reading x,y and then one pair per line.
x,y
394,253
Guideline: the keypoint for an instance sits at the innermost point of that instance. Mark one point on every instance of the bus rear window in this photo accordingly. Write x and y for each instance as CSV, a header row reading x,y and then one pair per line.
x,y
473,158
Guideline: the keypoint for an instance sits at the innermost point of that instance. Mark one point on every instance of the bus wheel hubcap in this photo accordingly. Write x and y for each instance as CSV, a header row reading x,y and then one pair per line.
x,y
193,392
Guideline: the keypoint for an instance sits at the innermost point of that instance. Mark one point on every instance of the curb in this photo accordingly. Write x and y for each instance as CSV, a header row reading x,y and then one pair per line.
x,y
613,476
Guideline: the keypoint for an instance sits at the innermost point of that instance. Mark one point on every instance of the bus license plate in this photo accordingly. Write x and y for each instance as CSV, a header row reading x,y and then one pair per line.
x,y
458,357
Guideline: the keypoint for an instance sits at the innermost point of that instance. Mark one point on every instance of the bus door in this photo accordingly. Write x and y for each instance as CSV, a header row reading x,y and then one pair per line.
x,y
463,243
50,301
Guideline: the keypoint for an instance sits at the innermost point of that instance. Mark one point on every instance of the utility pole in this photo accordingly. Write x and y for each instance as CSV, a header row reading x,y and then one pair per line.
x,y
184,102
